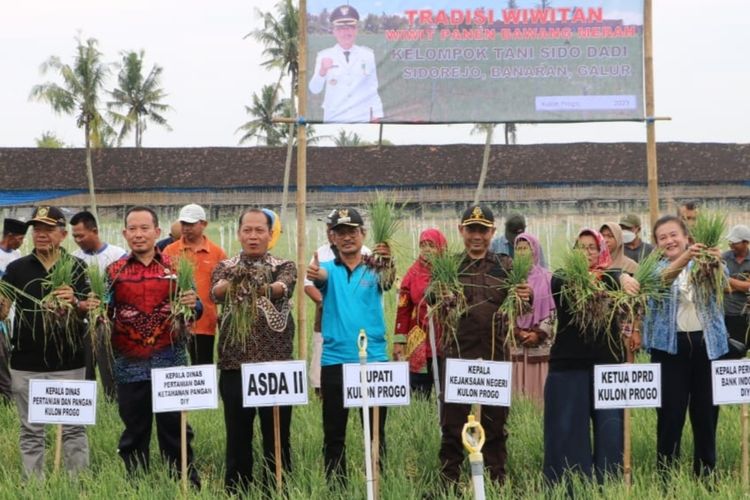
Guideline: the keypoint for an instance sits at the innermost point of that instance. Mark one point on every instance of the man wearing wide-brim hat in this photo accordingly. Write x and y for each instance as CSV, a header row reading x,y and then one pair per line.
x,y
44,349
347,73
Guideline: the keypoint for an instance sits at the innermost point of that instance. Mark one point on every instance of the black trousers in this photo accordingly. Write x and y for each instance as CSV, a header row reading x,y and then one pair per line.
x,y
737,326
134,401
335,417
104,359
201,349
239,429
686,385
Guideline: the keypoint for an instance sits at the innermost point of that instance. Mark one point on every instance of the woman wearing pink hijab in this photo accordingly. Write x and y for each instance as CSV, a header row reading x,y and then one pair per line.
x,y
533,333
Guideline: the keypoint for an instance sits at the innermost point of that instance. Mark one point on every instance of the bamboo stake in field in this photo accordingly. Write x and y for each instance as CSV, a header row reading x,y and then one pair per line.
x,y
301,197
362,343
183,450
648,70
745,452
435,372
626,455
277,445
58,447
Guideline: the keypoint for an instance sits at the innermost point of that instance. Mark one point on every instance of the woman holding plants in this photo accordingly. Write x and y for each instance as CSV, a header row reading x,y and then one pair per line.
x,y
684,333
411,338
531,354
585,337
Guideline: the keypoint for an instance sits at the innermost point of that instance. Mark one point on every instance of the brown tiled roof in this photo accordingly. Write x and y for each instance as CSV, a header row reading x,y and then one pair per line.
x,y
360,167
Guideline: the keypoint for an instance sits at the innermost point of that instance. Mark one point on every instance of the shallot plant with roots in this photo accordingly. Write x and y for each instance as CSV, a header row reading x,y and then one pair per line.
x,y
446,293
584,293
386,217
513,307
181,315
241,303
99,325
59,316
707,274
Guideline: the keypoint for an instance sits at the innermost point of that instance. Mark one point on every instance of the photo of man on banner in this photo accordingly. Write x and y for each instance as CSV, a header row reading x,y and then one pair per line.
x,y
347,74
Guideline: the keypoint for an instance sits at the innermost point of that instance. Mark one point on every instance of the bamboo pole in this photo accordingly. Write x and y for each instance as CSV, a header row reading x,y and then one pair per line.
x,y
183,450
653,175
745,453
627,467
277,445
302,178
376,451
58,447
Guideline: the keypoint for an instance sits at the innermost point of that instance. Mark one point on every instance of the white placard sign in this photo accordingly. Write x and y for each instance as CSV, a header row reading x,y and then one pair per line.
x,y
275,383
470,381
70,402
183,388
636,385
731,381
387,384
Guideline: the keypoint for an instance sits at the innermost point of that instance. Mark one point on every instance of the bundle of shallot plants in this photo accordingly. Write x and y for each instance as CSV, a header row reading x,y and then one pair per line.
x,y
240,310
386,219
99,326
182,315
630,309
59,316
513,307
707,274
584,293
445,292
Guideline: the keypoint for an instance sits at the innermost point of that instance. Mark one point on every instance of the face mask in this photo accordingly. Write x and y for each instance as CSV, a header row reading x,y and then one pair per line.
x,y
628,237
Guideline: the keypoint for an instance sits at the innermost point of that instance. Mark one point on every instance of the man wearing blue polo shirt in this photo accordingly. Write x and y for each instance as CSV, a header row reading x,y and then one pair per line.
x,y
352,300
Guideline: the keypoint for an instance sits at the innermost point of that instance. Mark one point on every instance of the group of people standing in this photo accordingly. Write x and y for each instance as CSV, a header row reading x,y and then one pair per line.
x,y
554,355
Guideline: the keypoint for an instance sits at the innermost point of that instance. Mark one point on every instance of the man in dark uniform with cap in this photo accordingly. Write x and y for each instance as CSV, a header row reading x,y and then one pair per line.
x,y
480,335
347,73
14,231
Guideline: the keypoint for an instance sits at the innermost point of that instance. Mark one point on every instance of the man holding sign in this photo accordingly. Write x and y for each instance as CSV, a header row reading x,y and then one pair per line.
x,y
264,284
480,334
143,337
352,301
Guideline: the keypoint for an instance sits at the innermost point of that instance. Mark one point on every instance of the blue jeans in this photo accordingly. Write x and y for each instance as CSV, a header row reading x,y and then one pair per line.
x,y
568,410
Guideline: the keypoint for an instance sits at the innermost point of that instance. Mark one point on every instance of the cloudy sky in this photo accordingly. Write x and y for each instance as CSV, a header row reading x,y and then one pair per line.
x,y
702,71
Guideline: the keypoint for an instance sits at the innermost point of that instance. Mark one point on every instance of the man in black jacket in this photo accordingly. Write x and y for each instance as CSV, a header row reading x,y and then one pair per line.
x,y
46,344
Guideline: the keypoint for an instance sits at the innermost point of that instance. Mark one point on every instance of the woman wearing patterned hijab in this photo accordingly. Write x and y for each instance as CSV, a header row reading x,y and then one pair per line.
x,y
569,413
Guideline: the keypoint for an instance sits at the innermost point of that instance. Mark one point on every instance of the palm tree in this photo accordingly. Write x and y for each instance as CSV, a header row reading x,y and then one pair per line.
x,y
510,133
49,140
261,127
279,35
347,139
79,94
136,99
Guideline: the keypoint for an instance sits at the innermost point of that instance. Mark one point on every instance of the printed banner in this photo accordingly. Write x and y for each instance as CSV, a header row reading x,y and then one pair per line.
x,y
69,402
627,386
275,383
183,388
476,381
387,384
731,381
400,61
